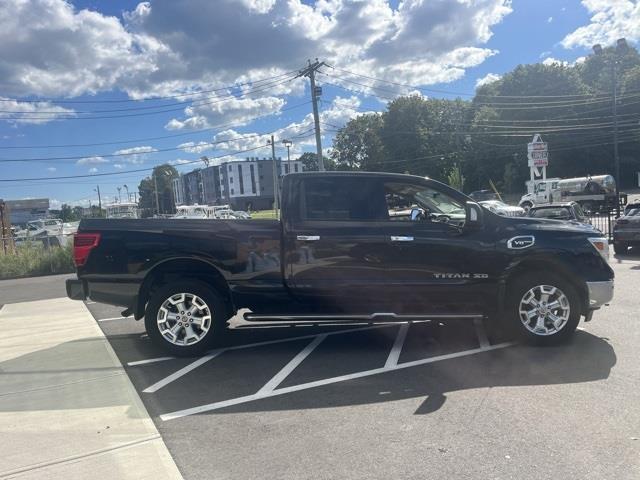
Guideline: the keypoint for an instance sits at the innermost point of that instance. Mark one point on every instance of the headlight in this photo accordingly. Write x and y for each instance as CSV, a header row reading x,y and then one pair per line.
x,y
601,244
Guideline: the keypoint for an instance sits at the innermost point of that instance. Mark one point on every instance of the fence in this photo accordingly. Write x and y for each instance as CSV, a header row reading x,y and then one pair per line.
x,y
37,255
604,221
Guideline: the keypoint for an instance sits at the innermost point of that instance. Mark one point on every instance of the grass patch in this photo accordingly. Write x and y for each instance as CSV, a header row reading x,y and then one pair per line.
x,y
264,214
32,259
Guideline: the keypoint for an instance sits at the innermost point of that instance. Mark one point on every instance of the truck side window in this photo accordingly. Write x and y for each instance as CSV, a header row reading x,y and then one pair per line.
x,y
402,198
347,198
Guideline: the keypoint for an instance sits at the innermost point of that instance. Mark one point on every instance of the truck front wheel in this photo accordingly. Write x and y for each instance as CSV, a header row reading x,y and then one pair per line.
x,y
542,309
185,317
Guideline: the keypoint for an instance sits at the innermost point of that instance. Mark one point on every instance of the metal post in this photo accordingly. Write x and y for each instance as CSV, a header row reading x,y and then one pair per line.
x,y
616,158
276,183
99,201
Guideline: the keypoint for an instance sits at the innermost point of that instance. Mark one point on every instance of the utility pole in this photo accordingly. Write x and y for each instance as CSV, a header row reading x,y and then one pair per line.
x,y
119,196
276,183
97,189
310,71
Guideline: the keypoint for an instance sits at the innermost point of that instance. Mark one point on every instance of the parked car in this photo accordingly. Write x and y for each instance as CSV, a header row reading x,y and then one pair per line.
x,y
626,230
501,208
483,195
570,212
337,256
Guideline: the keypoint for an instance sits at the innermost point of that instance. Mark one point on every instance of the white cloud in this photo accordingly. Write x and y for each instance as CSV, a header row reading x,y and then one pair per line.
x,y
95,160
93,170
31,112
193,147
118,166
174,47
550,19
51,169
610,20
239,111
134,155
300,133
488,78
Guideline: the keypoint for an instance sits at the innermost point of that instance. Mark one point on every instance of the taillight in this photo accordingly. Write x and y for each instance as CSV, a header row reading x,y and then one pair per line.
x,y
82,245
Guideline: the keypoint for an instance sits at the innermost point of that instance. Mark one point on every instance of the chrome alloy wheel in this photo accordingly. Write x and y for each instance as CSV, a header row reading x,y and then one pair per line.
x,y
184,319
544,310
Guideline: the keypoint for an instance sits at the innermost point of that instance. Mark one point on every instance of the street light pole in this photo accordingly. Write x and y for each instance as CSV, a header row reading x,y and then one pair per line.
x,y
288,143
128,195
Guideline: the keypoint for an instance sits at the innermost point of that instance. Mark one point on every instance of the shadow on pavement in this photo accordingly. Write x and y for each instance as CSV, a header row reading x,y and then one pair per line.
x,y
586,359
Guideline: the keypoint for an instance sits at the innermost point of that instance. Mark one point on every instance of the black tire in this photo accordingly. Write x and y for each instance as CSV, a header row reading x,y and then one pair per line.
x,y
217,325
620,248
526,206
516,291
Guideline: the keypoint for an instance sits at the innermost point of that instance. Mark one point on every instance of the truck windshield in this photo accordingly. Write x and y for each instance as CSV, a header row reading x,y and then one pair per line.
x,y
557,213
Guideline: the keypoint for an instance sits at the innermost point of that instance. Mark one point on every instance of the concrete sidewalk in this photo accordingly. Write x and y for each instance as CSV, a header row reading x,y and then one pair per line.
x,y
67,407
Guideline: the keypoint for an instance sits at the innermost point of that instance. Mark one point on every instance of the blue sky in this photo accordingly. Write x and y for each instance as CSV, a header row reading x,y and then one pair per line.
x,y
108,51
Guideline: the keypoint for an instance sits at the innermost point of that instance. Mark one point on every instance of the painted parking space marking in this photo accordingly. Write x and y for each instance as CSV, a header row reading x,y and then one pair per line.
x,y
481,332
266,342
394,354
342,378
183,371
279,377
114,318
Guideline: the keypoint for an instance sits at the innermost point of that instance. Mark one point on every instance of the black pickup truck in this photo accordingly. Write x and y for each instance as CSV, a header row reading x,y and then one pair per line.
x,y
349,247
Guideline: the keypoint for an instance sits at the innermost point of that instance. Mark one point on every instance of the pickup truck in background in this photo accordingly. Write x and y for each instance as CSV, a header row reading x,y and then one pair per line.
x,y
349,247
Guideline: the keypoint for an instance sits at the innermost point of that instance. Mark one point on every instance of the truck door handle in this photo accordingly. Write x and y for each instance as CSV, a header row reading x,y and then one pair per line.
x,y
308,238
395,238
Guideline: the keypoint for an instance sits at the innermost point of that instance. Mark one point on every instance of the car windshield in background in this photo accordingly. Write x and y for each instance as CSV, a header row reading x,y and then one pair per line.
x,y
556,213
634,212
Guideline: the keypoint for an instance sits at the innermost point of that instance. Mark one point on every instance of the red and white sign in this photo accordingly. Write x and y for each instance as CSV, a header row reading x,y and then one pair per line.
x,y
538,152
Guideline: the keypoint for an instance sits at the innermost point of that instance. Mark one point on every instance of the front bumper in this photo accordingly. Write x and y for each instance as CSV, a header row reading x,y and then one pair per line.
x,y
75,289
600,293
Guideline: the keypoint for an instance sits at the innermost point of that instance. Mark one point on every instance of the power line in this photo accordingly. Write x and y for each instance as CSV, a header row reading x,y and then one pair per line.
x,y
168,97
65,177
162,137
462,93
67,116
501,106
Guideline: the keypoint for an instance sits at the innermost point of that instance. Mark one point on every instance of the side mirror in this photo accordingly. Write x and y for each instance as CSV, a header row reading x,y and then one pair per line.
x,y
474,215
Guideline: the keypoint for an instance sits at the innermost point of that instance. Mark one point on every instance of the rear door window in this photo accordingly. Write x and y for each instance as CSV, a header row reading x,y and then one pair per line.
x,y
337,198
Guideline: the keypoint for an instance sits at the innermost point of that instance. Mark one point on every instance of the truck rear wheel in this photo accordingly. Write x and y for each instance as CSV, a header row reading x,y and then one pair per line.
x,y
526,206
542,309
185,317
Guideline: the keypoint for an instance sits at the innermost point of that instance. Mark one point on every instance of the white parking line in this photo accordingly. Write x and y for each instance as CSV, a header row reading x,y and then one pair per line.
x,y
266,342
150,360
394,354
342,378
114,318
481,332
183,371
278,378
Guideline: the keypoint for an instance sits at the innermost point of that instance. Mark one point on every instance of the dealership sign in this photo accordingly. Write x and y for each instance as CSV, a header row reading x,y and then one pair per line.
x,y
538,152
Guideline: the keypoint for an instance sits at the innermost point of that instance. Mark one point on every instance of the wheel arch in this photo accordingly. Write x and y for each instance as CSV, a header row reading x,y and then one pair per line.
x,y
183,268
546,266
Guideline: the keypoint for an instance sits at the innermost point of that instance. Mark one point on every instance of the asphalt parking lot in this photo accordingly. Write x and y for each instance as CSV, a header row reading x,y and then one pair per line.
x,y
454,400
427,400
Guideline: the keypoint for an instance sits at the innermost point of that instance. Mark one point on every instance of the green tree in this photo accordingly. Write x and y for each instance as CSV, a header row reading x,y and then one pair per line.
x,y
310,162
358,146
67,214
162,174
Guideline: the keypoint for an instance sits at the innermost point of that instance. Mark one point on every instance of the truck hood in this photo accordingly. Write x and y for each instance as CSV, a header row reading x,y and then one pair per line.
x,y
546,224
